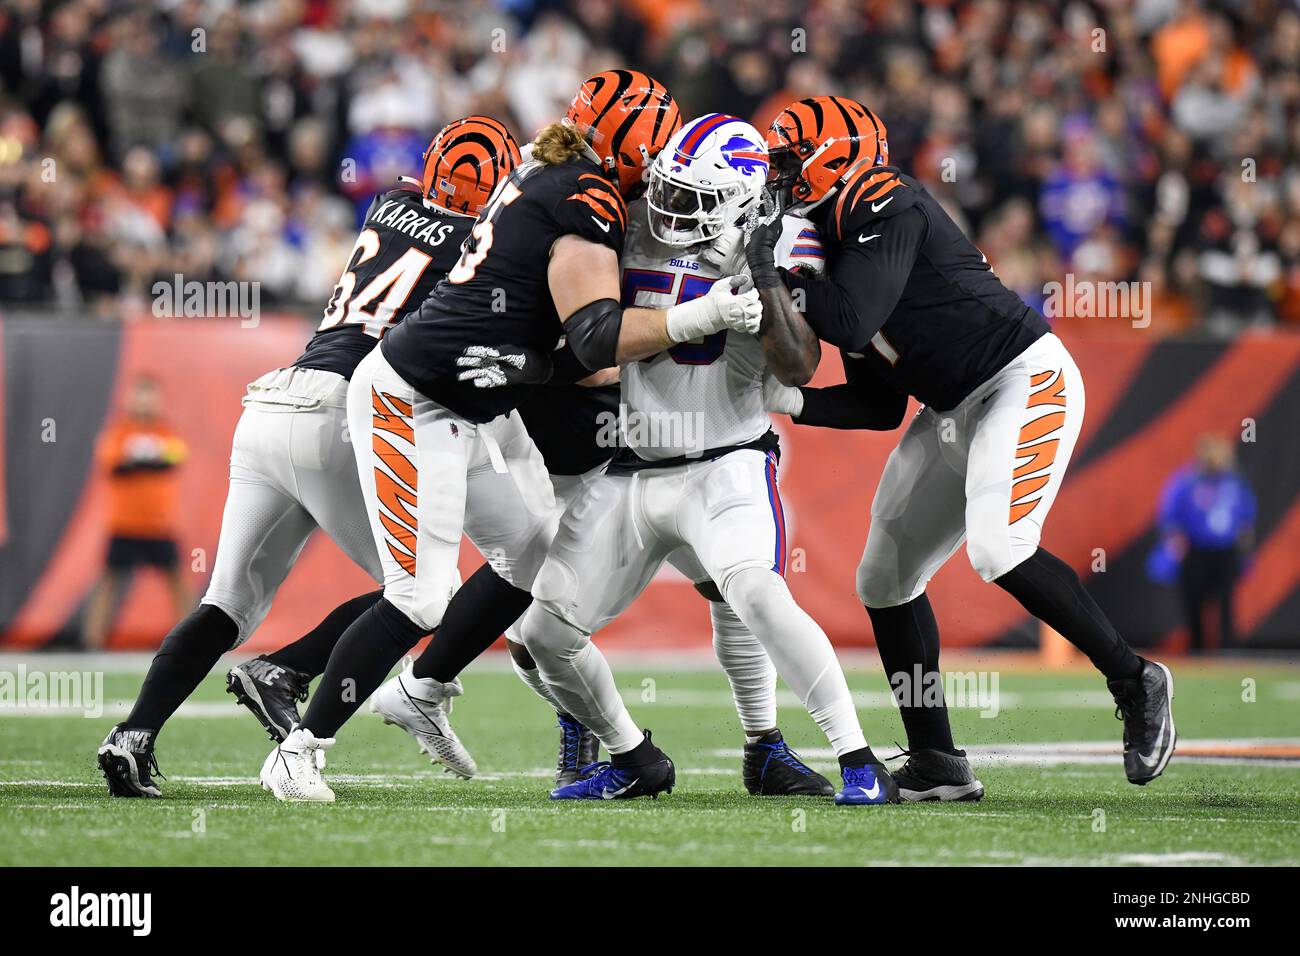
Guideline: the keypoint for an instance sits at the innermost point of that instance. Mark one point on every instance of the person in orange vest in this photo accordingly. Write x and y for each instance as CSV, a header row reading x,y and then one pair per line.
x,y
140,452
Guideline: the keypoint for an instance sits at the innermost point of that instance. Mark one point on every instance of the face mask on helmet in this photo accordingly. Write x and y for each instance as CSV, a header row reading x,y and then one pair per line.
x,y
709,174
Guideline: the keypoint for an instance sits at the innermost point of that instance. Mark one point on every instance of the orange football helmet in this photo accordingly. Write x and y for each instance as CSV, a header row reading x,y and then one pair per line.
x,y
465,162
626,117
817,143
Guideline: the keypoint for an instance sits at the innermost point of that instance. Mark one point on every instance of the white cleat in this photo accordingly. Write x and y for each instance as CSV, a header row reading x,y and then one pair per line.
x,y
422,707
292,771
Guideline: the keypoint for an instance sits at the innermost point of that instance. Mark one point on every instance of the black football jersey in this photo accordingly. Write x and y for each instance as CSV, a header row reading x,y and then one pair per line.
x,y
403,251
497,294
575,428
906,291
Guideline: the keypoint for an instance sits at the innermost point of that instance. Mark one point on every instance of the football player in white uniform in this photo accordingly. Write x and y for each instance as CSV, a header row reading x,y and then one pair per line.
x,y
697,470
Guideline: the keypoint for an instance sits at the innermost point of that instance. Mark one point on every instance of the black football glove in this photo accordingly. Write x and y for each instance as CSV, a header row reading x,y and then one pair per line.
x,y
489,367
762,228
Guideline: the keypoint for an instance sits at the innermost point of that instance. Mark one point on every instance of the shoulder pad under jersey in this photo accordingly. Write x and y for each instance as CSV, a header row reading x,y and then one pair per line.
x,y
875,192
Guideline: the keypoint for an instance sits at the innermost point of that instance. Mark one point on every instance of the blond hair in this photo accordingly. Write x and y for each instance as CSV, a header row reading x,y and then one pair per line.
x,y
558,143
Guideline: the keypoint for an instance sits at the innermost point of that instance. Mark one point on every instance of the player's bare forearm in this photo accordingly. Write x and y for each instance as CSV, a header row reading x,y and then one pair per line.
x,y
606,376
644,333
789,343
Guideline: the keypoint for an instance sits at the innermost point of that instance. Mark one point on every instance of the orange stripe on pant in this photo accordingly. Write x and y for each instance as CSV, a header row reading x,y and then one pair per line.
x,y
1041,454
392,415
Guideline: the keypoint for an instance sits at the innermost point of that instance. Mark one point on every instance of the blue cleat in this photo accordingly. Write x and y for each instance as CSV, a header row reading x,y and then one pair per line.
x,y
772,769
867,785
604,781
579,750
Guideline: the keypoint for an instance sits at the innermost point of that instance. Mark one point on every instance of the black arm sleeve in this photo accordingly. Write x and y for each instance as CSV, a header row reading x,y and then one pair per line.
x,y
565,368
865,400
850,305
592,333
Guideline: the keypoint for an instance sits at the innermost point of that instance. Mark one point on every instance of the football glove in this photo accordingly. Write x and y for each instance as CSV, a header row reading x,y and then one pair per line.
x,y
488,367
731,303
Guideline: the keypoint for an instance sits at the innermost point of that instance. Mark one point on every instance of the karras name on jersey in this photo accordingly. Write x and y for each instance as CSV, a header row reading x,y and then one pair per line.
x,y
402,252
907,290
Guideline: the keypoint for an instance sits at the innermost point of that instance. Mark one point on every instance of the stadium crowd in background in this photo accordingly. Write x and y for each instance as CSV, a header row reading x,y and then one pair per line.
x,y
1116,140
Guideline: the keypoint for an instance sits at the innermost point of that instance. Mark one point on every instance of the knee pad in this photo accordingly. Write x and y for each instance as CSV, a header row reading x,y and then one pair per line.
x,y
990,555
879,578
419,611
548,636
397,625
555,585
246,620
754,593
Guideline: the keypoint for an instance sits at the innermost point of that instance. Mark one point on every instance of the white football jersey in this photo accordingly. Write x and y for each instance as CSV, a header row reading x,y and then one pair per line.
x,y
707,393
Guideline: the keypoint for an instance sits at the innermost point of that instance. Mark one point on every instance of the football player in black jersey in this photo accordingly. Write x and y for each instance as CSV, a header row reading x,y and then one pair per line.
x,y
292,468
439,454
915,310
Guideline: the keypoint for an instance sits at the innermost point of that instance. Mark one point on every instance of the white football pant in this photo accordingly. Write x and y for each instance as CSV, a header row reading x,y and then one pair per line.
x,y
291,472
986,472
612,540
429,475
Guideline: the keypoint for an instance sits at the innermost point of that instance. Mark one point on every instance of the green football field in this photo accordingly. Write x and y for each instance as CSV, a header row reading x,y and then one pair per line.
x,y
1049,758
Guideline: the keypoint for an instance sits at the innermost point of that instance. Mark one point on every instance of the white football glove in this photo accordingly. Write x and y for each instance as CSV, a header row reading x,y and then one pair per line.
x,y
731,303
781,399
727,252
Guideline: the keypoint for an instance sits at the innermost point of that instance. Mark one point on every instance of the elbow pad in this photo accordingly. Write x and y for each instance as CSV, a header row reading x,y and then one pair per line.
x,y
592,333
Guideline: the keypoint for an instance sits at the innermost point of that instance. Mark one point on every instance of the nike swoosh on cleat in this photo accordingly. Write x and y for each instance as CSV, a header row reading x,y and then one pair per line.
x,y
1154,759
873,792
611,794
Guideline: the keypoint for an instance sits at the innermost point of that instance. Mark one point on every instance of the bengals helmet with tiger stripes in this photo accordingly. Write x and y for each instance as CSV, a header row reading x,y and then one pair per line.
x,y
464,163
818,143
626,117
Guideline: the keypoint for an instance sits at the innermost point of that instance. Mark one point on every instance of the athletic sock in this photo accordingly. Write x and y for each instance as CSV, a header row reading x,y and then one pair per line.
x,y
361,660
907,638
533,681
579,677
1049,589
801,652
478,614
187,654
748,668
642,753
858,758
311,652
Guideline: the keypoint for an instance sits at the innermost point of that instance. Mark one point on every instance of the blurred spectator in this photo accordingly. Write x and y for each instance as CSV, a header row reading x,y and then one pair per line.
x,y
1207,514
140,453
1155,140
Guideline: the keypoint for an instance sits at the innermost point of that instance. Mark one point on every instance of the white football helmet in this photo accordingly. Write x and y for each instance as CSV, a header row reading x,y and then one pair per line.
x,y
709,174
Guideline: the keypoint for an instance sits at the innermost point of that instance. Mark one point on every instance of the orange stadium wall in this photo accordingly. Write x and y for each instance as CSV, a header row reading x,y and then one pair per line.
x,y
1147,402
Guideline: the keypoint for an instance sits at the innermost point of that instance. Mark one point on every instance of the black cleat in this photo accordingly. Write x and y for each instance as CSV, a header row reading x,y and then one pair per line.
x,y
271,691
937,775
126,756
579,748
604,781
772,769
1145,703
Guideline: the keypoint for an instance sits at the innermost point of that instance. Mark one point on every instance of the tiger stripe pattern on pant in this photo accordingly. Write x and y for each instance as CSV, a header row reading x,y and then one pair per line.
x,y
396,477
1036,451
